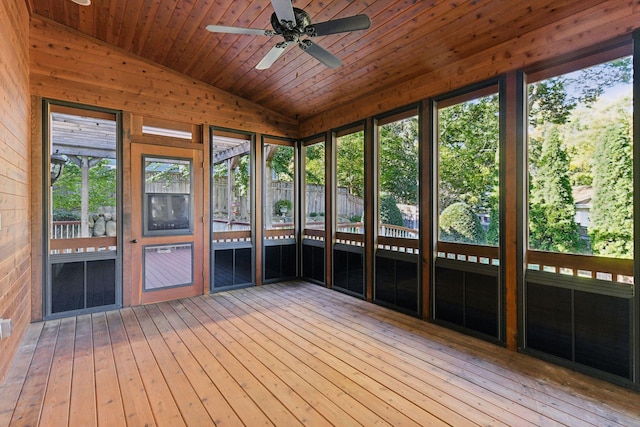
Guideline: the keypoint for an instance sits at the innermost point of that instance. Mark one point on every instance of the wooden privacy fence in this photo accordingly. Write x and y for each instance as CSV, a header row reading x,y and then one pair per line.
x,y
348,205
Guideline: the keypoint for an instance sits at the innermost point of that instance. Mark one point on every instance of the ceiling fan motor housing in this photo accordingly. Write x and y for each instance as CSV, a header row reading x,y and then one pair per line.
x,y
303,20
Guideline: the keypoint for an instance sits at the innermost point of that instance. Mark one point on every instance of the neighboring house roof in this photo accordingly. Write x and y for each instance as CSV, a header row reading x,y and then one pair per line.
x,y
582,195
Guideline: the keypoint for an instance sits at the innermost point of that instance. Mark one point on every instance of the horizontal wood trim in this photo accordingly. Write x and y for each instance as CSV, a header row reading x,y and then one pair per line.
x,y
278,232
313,232
491,252
231,235
64,109
581,262
353,237
166,141
399,242
82,243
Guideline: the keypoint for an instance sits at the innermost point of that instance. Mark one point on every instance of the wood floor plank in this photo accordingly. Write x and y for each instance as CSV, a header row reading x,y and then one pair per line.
x,y
109,405
286,395
164,407
82,410
352,382
517,373
307,412
152,321
316,408
533,377
288,354
280,348
137,408
276,412
503,386
15,378
455,383
199,342
191,355
405,398
55,409
29,406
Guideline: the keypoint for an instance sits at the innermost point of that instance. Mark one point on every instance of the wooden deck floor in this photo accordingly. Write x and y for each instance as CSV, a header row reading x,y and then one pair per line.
x,y
286,355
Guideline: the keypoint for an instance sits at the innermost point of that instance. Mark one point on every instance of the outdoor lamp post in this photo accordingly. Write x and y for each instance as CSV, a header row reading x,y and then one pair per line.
x,y
57,163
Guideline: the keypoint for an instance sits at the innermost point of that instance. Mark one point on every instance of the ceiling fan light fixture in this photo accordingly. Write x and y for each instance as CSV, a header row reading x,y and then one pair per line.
x,y
82,2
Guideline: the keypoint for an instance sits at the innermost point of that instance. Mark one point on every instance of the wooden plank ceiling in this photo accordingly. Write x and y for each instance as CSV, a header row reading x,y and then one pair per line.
x,y
407,38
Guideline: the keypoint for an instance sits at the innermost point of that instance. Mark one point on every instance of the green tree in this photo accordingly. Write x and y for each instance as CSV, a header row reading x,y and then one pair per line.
x,y
389,211
468,146
67,189
553,100
551,207
314,164
611,216
282,163
399,160
350,163
458,223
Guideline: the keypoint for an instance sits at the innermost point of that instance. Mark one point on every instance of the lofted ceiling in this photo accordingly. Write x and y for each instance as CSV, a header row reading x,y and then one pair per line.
x,y
407,38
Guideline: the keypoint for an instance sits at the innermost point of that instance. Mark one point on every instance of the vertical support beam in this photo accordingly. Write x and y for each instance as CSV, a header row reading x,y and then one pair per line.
x,y
84,196
329,198
38,216
229,191
426,173
512,192
299,210
127,210
370,205
204,133
257,228
635,329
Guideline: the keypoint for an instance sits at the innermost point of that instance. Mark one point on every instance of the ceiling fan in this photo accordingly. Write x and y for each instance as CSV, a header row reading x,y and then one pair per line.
x,y
292,23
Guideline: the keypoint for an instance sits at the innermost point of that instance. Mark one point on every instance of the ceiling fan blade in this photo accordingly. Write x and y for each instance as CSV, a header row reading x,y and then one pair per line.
x,y
272,55
341,25
284,10
320,54
238,30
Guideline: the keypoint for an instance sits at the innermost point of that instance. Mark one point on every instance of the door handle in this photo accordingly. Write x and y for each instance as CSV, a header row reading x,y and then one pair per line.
x,y
134,241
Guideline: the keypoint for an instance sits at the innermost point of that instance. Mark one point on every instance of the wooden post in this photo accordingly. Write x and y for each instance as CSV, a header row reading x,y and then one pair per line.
x,y
229,191
329,199
370,205
84,197
427,207
513,199
257,162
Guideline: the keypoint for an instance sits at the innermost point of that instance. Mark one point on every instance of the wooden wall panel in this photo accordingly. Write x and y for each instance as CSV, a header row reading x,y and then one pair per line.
x,y
15,211
600,23
67,65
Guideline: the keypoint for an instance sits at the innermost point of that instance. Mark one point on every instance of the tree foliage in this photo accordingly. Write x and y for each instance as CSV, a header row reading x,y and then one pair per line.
x,y
552,225
399,160
611,226
553,100
389,211
468,149
458,223
67,190
350,163
314,164
282,163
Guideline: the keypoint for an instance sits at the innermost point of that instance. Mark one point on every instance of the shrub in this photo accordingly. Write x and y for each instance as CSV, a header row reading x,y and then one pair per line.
x,y
65,215
284,203
389,212
459,224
